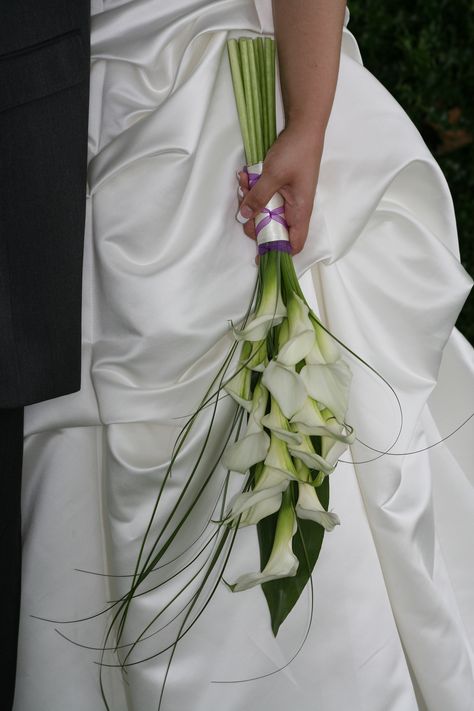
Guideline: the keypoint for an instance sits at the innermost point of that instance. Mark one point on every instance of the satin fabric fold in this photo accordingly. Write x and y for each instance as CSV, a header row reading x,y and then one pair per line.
x,y
166,268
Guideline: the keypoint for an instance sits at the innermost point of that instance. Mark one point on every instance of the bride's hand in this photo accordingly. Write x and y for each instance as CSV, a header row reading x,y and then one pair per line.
x,y
291,167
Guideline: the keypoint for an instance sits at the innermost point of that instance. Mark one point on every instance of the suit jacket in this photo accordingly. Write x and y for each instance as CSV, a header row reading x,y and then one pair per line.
x,y
44,101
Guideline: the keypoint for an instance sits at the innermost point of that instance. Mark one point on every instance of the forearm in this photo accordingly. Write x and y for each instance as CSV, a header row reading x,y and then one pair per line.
x,y
308,38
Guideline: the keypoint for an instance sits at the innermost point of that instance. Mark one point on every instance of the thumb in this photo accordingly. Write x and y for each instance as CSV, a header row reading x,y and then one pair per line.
x,y
256,198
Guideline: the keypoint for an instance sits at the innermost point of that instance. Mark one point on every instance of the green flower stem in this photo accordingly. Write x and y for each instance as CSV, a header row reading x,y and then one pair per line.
x,y
236,71
245,63
284,528
252,65
256,99
269,46
263,94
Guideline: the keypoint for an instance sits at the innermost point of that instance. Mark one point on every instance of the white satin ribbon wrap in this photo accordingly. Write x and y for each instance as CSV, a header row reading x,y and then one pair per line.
x,y
274,231
166,266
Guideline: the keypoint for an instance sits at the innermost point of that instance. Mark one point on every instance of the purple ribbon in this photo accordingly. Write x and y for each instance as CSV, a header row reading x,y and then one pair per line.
x,y
277,214
253,177
277,246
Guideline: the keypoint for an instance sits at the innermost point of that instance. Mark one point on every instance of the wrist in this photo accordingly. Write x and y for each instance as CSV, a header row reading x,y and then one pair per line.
x,y
307,129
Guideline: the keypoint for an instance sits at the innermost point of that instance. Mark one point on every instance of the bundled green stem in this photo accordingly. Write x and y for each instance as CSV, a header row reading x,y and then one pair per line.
x,y
252,65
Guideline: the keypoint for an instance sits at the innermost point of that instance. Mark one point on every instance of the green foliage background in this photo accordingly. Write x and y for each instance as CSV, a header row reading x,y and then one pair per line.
x,y
422,52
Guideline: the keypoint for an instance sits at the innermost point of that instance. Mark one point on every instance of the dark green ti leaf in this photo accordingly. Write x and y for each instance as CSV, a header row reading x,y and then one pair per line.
x,y
282,595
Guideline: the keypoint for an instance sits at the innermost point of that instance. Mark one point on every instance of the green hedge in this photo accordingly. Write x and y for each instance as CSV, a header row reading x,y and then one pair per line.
x,y
422,52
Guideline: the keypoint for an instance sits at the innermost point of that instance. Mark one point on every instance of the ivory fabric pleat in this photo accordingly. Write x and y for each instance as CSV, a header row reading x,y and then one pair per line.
x,y
166,267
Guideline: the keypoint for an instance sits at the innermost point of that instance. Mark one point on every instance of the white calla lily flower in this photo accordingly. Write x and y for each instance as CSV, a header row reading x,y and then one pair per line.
x,y
269,483
325,349
270,311
286,386
311,420
254,514
282,562
247,451
248,499
309,507
257,359
301,333
306,452
305,476
328,346
259,407
278,457
238,387
253,446
332,449
277,423
329,385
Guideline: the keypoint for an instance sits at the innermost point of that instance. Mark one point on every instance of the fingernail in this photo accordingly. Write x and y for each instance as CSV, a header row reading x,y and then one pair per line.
x,y
238,175
244,214
240,192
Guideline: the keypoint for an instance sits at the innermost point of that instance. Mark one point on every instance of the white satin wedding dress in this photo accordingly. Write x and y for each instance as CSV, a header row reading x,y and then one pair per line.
x,y
166,267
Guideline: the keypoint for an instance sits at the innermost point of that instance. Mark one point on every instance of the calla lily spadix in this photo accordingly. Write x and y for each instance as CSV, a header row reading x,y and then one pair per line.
x,y
301,333
282,562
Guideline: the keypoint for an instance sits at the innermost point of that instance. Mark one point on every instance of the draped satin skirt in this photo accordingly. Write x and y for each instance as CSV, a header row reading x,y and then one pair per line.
x,y
166,267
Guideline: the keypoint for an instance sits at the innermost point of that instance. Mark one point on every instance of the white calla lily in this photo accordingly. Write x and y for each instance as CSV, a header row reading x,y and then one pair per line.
x,y
329,385
306,452
238,387
247,451
286,386
277,423
245,501
328,346
270,311
255,513
269,483
282,562
305,476
278,457
311,420
259,407
325,349
332,449
309,507
253,446
301,333
257,359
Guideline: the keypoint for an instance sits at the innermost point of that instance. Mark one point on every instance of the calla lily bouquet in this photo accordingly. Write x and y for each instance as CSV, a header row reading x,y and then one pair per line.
x,y
292,380
291,387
